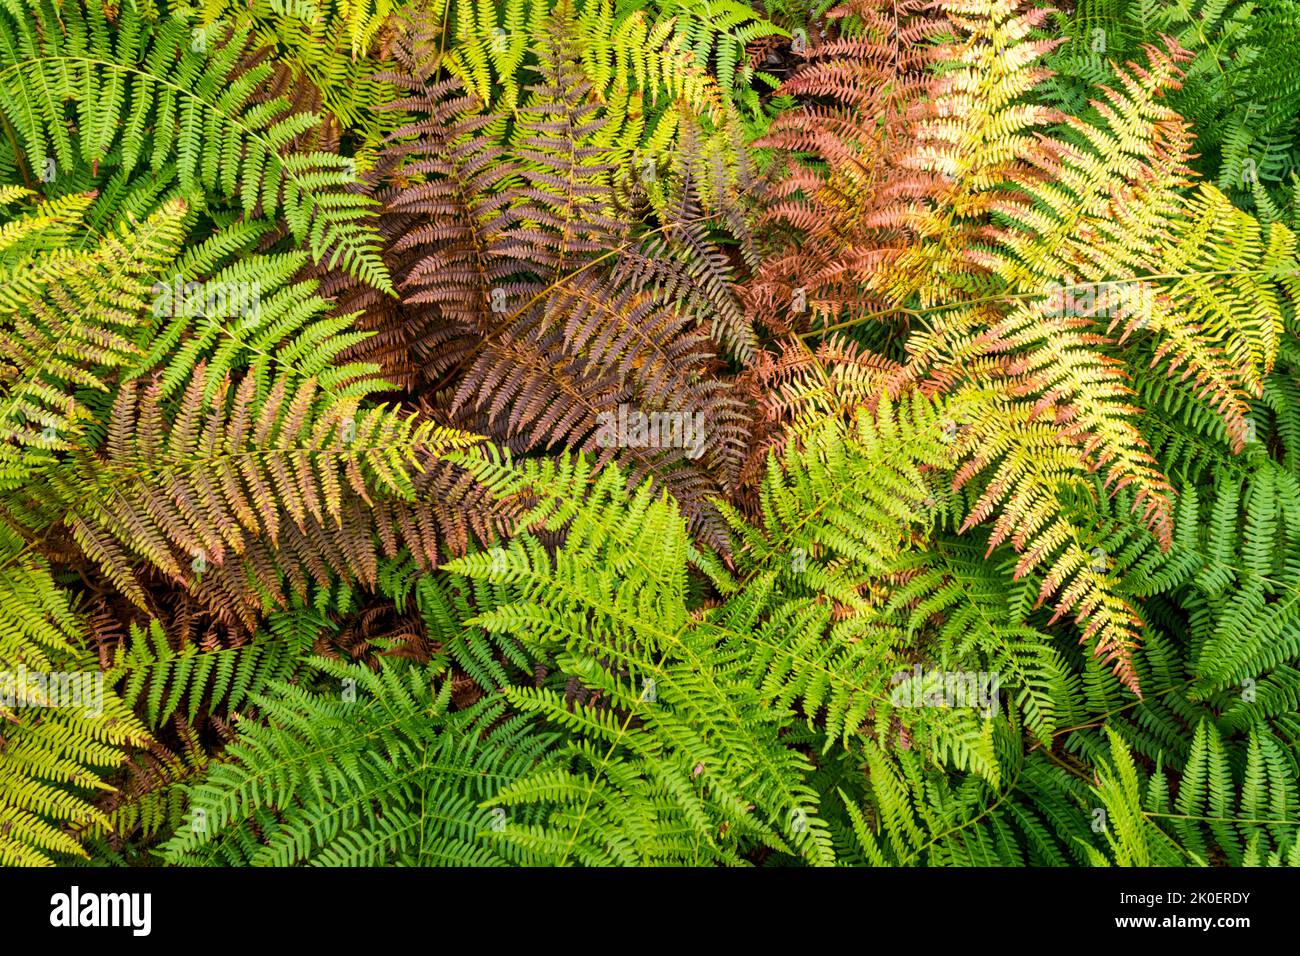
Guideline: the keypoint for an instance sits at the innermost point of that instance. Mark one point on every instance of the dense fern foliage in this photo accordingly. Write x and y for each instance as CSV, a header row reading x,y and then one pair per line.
x,y
649,432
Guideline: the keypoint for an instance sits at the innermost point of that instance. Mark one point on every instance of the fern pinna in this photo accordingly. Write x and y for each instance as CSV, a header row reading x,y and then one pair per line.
x,y
591,432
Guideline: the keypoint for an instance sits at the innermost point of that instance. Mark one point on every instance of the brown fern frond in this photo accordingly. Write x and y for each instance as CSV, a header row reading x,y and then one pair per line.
x,y
233,496
843,219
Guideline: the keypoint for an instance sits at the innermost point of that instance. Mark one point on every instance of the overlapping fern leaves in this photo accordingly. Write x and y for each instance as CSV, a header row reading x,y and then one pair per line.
x,y
1022,257
234,492
529,306
968,537
183,104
